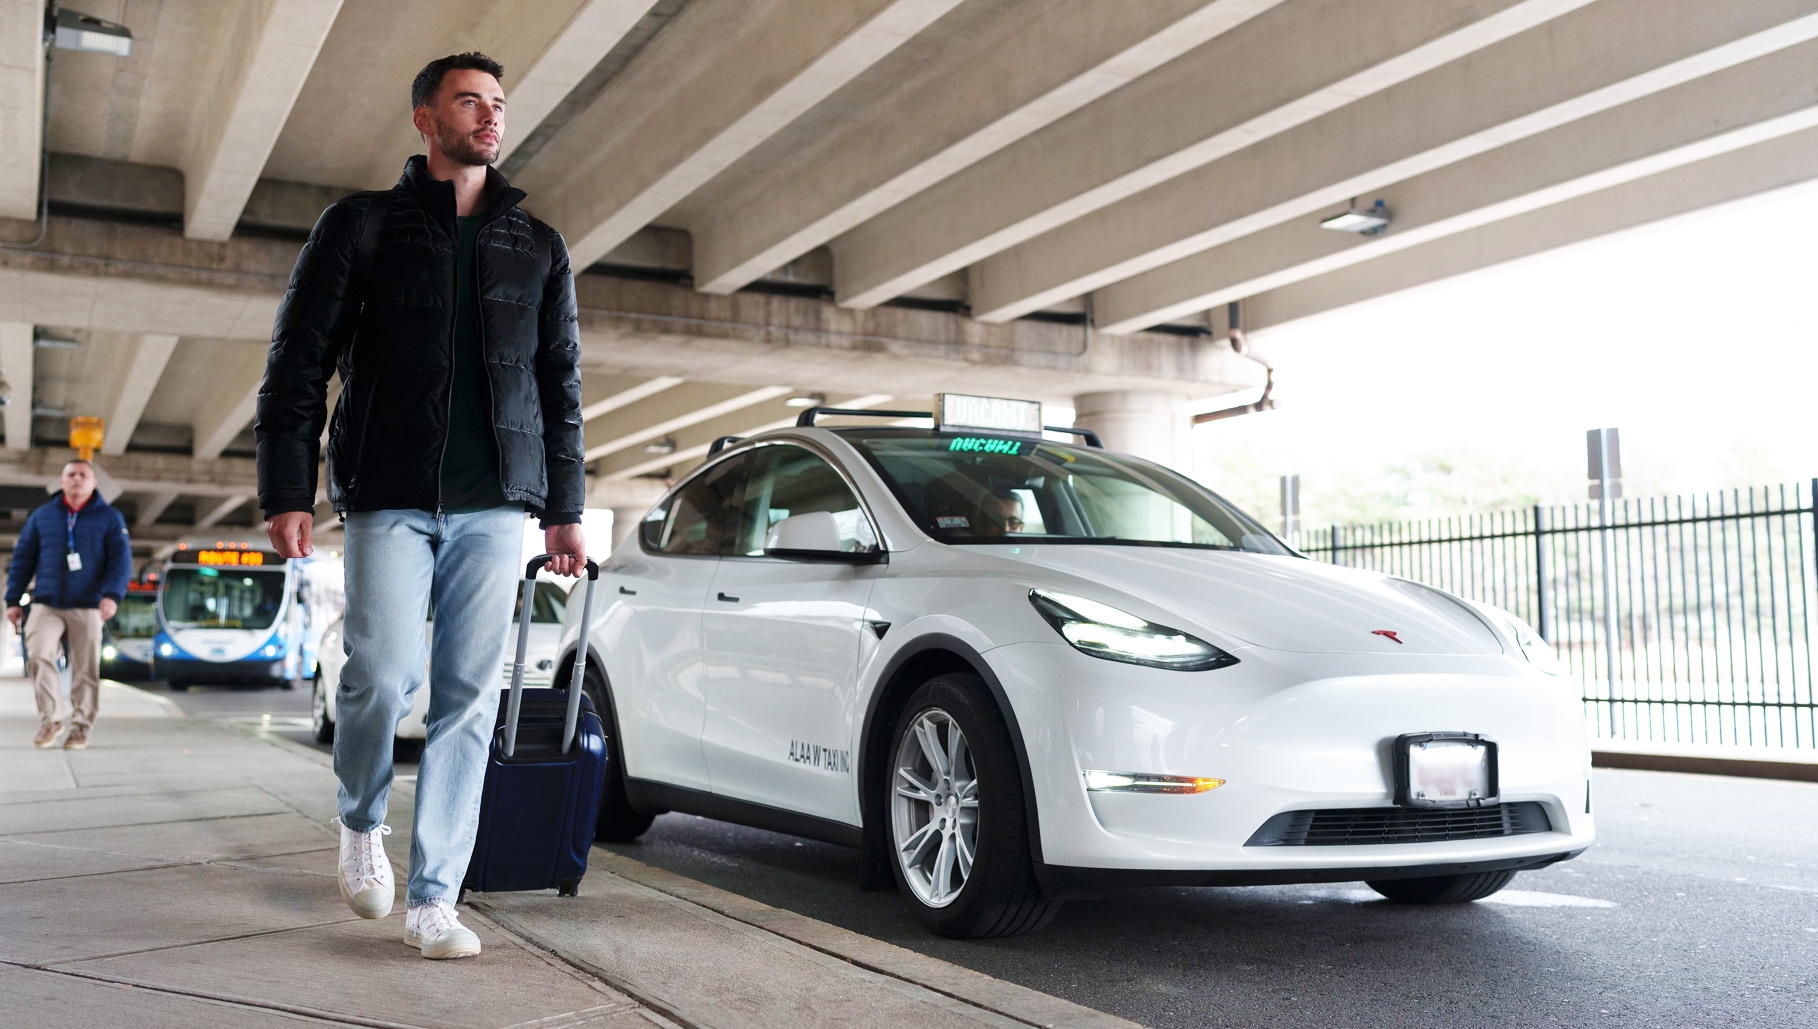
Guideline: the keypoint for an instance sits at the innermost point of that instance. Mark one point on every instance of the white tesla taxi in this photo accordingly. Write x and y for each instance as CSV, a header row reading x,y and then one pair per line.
x,y
1015,671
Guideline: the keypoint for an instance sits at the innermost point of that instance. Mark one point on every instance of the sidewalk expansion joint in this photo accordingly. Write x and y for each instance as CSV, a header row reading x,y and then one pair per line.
x,y
141,825
54,965
333,1017
516,931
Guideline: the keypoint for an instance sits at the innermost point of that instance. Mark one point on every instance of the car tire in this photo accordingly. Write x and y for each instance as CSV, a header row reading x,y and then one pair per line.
x,y
1442,889
179,686
406,751
321,726
998,894
618,821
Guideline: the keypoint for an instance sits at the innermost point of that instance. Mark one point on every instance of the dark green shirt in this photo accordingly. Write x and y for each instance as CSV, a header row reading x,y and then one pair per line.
x,y
470,462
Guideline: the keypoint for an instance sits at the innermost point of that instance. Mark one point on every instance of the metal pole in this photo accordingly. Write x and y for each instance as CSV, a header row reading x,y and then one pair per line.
x,y
1543,618
1604,487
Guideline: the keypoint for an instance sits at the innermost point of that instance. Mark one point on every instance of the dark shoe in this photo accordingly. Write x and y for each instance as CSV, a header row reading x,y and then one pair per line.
x,y
47,735
78,739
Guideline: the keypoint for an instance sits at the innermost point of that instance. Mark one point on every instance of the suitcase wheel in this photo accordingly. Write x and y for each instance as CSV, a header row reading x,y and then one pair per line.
x,y
571,888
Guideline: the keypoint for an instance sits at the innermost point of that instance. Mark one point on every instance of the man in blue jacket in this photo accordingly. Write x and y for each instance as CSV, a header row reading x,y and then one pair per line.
x,y
75,556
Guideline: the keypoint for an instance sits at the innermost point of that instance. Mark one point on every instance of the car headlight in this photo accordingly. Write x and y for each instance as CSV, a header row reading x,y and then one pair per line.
x,y
1104,631
1538,652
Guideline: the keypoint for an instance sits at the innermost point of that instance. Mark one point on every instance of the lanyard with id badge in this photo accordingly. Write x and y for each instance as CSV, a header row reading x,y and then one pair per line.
x,y
70,557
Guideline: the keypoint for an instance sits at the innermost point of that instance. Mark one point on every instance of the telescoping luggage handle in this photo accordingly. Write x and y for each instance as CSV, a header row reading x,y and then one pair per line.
x,y
517,664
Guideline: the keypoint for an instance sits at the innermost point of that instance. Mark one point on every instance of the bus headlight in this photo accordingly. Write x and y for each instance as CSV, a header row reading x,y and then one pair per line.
x,y
271,650
166,649
109,652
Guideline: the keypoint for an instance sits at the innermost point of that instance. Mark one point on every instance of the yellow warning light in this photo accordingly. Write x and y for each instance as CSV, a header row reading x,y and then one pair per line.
x,y
85,435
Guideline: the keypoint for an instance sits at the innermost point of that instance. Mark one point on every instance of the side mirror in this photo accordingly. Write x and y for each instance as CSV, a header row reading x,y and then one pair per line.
x,y
814,536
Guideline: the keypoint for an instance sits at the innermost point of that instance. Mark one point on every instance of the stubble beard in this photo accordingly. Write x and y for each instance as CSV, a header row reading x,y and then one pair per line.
x,y
463,150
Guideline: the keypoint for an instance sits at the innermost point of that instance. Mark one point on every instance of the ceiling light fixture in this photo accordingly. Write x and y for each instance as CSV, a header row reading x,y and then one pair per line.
x,y
666,445
807,400
1370,221
74,30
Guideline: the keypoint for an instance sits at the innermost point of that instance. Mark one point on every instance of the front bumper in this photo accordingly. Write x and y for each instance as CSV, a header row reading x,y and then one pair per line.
x,y
1286,732
190,670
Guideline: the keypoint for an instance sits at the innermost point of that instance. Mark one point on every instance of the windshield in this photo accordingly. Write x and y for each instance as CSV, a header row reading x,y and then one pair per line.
x,y
991,489
137,618
222,598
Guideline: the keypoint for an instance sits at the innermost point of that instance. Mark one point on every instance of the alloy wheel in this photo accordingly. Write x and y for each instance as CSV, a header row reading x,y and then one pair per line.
x,y
934,808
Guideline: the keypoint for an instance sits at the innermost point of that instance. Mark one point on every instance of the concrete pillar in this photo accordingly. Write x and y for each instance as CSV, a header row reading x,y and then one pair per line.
x,y
627,499
624,522
1149,424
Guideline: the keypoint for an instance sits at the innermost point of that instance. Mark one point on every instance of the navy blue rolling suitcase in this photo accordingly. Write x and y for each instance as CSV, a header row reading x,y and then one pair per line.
x,y
544,775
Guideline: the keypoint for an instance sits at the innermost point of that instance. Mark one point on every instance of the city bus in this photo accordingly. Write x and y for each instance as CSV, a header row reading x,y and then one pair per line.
x,y
236,615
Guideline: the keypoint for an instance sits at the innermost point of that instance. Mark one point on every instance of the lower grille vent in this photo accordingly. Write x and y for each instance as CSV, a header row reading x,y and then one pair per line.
x,y
1351,827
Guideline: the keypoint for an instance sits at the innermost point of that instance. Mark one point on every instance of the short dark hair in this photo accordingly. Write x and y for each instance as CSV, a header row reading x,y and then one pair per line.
x,y
423,87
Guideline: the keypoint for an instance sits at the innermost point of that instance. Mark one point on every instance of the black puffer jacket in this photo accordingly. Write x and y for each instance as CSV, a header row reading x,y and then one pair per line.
x,y
394,355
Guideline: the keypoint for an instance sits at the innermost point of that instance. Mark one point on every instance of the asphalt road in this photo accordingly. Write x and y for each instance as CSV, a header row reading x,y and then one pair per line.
x,y
1697,907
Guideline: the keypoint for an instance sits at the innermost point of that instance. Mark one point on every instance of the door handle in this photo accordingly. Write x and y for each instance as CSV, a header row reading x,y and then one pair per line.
x,y
629,593
729,600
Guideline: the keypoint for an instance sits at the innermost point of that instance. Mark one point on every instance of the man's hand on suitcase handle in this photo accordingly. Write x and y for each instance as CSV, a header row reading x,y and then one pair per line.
x,y
567,549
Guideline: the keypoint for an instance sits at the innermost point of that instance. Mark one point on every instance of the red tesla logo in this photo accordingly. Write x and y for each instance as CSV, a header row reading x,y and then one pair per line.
x,y
1390,633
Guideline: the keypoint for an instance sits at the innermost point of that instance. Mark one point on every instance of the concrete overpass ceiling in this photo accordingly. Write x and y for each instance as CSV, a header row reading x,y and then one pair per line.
x,y
871,200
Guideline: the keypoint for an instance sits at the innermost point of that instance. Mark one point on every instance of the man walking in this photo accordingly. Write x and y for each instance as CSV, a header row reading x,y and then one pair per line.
x,y
74,556
450,315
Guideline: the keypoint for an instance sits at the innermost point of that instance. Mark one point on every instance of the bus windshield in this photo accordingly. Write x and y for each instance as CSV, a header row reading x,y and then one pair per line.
x,y
989,489
223,598
137,618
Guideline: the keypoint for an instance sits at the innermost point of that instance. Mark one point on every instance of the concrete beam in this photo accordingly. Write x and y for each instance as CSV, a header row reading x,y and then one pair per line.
x,y
594,29
1278,70
22,125
233,404
1769,97
139,473
670,411
235,124
139,375
995,80
603,394
16,359
692,445
222,510
123,277
1787,163
154,508
1594,59
720,79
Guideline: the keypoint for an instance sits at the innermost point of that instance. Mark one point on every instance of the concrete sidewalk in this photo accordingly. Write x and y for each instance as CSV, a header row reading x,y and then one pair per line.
x,y
180,873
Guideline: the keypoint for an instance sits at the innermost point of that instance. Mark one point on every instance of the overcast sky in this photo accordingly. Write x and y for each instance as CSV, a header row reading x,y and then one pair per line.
x,y
1695,337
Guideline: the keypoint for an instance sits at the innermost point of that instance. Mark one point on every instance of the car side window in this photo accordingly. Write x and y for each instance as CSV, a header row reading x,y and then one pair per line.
x,y
696,518
788,481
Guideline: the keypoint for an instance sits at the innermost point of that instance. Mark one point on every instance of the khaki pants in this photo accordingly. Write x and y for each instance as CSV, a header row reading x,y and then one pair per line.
x,y
45,628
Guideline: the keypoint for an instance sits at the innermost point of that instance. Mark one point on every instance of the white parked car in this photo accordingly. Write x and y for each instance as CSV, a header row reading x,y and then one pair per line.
x,y
539,665
1015,671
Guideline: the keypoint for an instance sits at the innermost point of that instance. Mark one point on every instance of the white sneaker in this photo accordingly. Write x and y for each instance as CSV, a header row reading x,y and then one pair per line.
x,y
433,929
365,878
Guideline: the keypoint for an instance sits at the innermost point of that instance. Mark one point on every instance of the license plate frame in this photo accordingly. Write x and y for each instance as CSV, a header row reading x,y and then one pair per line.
x,y
1410,793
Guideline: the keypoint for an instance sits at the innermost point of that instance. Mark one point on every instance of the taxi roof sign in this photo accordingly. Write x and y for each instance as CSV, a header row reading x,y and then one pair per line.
x,y
994,414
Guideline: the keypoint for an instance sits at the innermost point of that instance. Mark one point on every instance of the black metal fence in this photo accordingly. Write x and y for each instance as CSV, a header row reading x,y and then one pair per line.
x,y
1708,599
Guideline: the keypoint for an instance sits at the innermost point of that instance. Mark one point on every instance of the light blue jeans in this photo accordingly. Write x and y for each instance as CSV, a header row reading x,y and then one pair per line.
x,y
401,565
